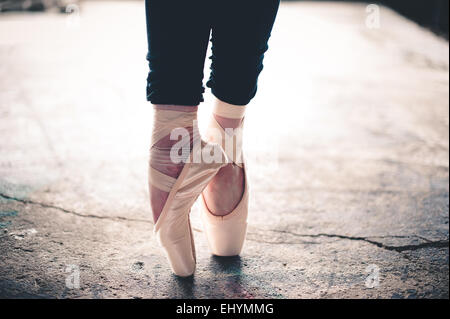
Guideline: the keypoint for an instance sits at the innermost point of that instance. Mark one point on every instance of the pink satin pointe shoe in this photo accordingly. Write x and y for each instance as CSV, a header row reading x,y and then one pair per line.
x,y
226,234
173,228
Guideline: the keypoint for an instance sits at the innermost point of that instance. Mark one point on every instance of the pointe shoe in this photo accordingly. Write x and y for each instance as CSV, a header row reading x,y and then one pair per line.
x,y
226,234
173,228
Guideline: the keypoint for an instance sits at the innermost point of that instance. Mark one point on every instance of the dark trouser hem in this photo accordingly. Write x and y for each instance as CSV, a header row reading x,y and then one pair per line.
x,y
230,100
173,99
173,102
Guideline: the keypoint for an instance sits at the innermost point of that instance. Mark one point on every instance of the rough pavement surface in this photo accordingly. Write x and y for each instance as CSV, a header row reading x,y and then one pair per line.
x,y
348,141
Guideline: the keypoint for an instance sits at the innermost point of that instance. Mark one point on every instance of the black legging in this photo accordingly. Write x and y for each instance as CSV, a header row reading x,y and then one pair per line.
x,y
178,33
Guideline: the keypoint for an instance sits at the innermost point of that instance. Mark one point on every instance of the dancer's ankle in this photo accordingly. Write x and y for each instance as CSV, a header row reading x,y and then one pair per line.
x,y
226,122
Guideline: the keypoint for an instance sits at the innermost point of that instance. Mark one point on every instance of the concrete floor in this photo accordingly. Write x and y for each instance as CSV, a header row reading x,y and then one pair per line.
x,y
349,177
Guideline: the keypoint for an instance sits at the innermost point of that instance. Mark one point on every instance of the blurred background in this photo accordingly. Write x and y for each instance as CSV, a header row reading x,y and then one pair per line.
x,y
347,142
432,13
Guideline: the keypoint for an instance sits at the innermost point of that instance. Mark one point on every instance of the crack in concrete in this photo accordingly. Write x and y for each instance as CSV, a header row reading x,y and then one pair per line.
x,y
67,211
428,243
412,247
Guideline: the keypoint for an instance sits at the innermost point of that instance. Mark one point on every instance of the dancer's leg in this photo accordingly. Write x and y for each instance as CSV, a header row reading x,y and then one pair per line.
x,y
160,152
178,33
239,44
